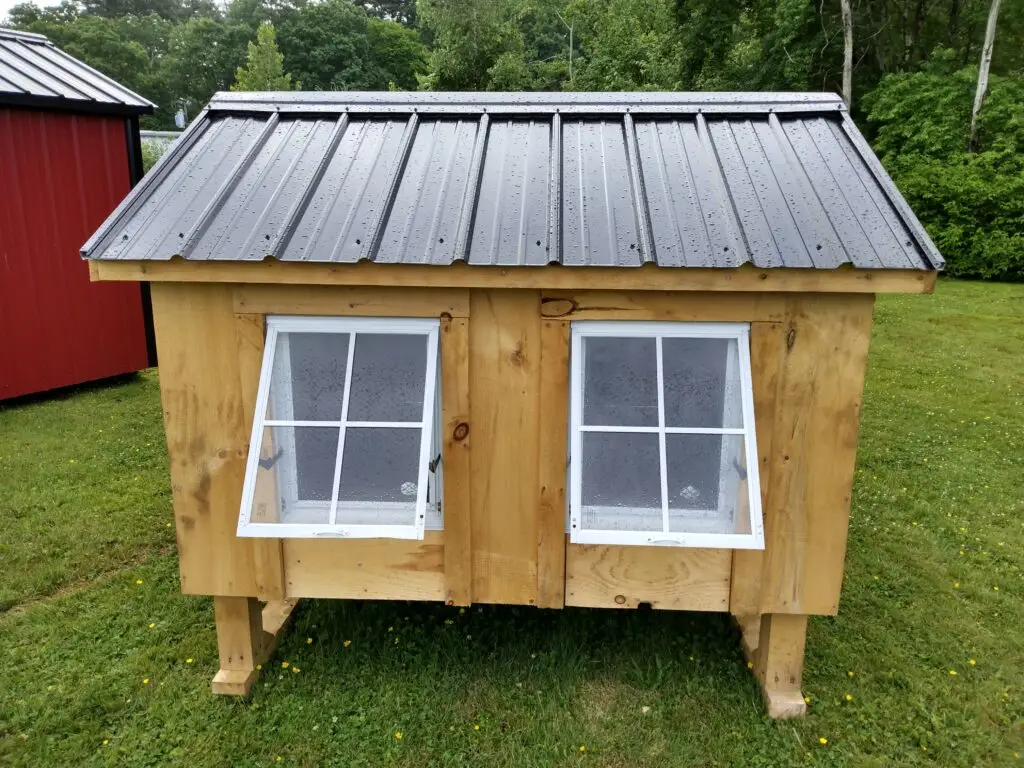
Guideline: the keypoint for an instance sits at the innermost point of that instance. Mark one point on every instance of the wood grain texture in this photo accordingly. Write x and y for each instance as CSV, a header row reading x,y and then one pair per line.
x,y
455,461
359,301
779,664
504,378
767,352
246,638
646,278
267,558
814,444
669,578
552,462
370,569
205,417
665,306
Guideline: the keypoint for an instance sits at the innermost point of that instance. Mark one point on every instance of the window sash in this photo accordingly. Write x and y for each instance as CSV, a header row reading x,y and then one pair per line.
x,y
275,345
739,332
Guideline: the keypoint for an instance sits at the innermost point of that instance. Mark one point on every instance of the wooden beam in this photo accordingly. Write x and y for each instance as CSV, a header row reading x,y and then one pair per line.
x,y
669,578
267,558
552,462
455,461
246,638
767,355
504,377
779,664
360,301
367,569
205,417
671,306
646,278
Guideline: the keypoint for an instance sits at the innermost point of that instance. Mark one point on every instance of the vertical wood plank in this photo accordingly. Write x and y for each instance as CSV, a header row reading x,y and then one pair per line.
x,y
455,460
552,456
504,375
204,419
779,664
817,417
268,557
767,350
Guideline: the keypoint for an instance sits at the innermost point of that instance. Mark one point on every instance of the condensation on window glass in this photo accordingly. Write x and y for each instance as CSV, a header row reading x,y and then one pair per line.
x,y
702,383
388,376
308,381
380,465
620,382
706,477
621,481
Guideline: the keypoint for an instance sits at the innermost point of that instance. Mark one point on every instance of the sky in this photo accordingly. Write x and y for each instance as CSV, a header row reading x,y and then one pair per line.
x,y
5,6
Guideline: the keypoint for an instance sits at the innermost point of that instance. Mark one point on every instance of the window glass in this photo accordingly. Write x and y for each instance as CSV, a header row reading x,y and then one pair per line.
x,y
663,435
345,441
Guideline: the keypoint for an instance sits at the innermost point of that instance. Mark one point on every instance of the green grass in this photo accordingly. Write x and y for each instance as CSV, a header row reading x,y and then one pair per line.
x,y
937,526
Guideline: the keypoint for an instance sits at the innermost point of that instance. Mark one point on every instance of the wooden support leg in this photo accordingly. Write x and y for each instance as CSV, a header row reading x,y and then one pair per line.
x,y
774,642
246,637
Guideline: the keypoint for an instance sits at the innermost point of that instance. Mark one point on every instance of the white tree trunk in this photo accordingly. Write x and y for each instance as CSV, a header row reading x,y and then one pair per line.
x,y
986,62
848,53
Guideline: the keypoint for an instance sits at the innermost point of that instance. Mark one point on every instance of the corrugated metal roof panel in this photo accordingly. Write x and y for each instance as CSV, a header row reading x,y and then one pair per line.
x,y
470,177
34,71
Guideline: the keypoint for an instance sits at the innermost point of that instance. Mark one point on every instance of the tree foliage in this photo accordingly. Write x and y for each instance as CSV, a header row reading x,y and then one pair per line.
x,y
264,67
913,67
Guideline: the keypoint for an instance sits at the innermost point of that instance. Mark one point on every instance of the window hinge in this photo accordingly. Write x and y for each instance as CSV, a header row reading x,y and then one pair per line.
x,y
270,461
433,464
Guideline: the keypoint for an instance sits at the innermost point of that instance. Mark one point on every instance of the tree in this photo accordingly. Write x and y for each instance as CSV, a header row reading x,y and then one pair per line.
x,y
264,69
986,64
847,53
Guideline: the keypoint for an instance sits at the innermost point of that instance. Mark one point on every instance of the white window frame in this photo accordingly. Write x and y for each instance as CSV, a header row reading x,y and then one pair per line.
x,y
353,327
740,332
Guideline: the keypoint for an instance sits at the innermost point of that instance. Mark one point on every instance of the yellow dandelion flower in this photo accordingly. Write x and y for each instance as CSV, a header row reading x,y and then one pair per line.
x,y
278,758
347,643
750,665
259,667
956,585
807,699
849,697
152,625
952,673
188,660
583,747
823,741
309,641
138,581
476,727
145,681
851,673
995,589
398,735
105,742
972,662
284,665
296,670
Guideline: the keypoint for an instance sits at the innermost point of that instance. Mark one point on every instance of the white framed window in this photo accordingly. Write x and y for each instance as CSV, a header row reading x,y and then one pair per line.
x,y
662,448
344,440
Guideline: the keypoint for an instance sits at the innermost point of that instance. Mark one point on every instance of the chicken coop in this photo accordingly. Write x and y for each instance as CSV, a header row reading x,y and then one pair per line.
x,y
600,350
69,153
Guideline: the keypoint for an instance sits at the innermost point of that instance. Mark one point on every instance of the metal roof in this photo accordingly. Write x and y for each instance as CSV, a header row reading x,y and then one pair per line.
x,y
601,179
34,72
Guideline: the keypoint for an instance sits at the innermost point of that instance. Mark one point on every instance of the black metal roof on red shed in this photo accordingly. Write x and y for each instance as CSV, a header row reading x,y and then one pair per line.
x,y
34,72
597,179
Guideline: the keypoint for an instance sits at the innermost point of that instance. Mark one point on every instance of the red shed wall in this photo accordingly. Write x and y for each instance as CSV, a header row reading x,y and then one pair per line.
x,y
60,176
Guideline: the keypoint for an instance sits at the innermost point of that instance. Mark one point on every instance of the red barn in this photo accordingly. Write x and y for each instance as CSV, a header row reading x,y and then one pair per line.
x,y
69,153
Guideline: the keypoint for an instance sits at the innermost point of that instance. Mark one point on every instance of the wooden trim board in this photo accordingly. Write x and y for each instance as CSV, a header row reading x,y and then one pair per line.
x,y
358,301
455,461
646,278
669,578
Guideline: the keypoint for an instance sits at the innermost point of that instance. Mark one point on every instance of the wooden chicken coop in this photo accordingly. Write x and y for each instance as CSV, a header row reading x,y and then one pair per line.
x,y
601,350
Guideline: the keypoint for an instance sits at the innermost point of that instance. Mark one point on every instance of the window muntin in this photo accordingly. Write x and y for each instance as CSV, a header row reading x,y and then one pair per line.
x,y
344,441
662,445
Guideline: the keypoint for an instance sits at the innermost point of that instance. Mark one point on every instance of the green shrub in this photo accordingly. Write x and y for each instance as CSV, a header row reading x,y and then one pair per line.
x,y
971,203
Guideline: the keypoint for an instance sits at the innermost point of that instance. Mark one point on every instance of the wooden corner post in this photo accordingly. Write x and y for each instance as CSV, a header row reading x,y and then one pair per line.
x,y
246,637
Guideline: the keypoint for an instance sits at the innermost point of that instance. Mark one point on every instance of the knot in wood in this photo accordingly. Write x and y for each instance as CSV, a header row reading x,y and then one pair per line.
x,y
461,431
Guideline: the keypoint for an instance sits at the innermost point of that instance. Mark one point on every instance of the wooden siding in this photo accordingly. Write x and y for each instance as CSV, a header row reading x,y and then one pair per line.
x,y
504,357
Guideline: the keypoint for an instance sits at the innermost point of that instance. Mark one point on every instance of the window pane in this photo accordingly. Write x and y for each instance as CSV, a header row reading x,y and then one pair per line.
x,y
309,377
620,382
705,476
702,384
621,481
388,376
295,474
380,465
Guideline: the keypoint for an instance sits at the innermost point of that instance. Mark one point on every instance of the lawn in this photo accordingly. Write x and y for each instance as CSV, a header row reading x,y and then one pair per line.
x,y
105,663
